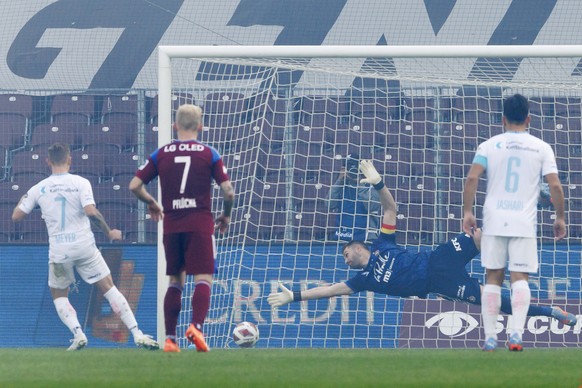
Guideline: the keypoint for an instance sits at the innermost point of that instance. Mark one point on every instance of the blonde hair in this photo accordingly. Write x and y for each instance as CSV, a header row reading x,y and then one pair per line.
x,y
189,117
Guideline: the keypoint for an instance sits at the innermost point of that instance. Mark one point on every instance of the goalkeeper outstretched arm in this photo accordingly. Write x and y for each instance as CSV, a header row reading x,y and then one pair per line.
x,y
373,178
386,199
278,299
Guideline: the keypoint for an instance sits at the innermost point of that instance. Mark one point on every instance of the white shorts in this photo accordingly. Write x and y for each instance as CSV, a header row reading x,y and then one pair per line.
x,y
91,269
521,252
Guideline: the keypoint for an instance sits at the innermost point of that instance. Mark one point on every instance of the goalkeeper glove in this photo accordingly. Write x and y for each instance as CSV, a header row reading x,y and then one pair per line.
x,y
369,171
280,298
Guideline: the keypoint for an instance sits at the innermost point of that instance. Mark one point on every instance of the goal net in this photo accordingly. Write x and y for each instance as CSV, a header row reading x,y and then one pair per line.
x,y
288,120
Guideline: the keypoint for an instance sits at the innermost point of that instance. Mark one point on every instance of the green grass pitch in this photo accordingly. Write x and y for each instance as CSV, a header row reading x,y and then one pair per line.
x,y
49,367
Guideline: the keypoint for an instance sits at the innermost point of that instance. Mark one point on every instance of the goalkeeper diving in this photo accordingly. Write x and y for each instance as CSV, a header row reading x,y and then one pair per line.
x,y
390,269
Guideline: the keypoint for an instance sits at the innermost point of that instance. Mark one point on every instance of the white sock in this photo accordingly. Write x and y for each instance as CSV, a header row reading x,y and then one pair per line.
x,y
67,314
490,305
520,300
120,307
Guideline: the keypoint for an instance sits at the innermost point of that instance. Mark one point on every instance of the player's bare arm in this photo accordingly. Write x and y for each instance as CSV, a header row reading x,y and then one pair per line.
x,y
557,195
17,214
223,220
278,299
137,187
98,221
469,192
373,178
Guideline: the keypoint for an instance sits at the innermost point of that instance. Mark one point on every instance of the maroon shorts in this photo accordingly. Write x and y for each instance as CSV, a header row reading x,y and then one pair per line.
x,y
189,251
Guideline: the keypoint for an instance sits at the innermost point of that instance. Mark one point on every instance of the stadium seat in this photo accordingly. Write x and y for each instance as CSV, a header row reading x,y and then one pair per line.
x,y
338,113
118,215
224,109
123,164
310,134
44,135
11,194
224,102
272,225
7,227
89,163
15,115
421,109
119,118
404,162
147,235
16,104
543,107
312,111
30,162
272,137
32,229
114,192
151,138
369,107
72,109
177,100
14,131
272,192
4,166
114,134
120,109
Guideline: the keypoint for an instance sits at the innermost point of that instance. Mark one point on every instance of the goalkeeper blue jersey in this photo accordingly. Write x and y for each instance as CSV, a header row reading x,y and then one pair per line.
x,y
393,270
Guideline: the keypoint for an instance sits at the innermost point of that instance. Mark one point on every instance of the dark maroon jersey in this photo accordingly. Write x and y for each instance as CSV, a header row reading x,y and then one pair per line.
x,y
186,170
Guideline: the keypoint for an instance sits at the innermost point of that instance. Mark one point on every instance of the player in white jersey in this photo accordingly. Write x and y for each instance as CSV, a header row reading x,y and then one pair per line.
x,y
514,161
68,209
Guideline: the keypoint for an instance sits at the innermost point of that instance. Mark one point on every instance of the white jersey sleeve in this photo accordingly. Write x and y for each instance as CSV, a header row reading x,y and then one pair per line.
x,y
62,198
514,164
29,200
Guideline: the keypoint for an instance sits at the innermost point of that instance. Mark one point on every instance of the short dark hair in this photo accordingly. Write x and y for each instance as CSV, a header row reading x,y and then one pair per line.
x,y
58,153
516,109
354,242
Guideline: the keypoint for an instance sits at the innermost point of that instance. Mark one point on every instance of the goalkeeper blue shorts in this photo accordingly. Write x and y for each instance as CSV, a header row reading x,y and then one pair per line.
x,y
448,276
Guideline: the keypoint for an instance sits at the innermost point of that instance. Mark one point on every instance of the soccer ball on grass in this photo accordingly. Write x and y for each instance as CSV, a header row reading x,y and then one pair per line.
x,y
245,334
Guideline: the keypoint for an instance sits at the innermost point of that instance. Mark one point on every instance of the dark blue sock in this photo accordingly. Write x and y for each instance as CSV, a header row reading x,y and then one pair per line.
x,y
534,310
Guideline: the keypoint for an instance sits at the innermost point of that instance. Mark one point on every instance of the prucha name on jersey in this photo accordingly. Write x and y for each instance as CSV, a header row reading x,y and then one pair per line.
x,y
184,203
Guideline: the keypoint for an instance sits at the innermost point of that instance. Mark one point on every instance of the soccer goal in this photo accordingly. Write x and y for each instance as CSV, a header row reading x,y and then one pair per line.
x,y
285,119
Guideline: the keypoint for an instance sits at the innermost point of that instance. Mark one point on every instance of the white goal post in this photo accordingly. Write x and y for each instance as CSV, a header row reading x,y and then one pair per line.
x,y
288,117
